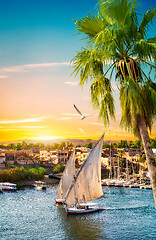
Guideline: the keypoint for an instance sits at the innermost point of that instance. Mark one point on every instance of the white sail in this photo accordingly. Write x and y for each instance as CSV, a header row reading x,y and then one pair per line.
x,y
67,177
87,183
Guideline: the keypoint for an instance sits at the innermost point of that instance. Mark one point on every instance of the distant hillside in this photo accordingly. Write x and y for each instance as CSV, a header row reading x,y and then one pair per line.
x,y
75,142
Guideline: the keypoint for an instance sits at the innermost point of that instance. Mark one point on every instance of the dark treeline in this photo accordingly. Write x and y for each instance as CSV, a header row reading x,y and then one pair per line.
x,y
18,174
130,144
25,146
121,144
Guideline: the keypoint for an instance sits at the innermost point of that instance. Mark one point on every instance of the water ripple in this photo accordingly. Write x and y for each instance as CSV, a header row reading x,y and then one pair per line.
x,y
33,215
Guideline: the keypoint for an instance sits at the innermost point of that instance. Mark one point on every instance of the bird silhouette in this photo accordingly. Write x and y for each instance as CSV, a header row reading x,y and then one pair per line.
x,y
82,116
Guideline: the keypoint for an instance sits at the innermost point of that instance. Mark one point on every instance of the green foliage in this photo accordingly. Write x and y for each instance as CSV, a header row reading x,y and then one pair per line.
x,y
114,145
40,169
59,168
55,145
20,174
2,146
136,144
143,158
122,161
24,145
11,166
19,146
106,146
116,42
11,146
39,145
121,153
78,146
88,145
122,144
61,145
30,145
153,143
69,145
49,147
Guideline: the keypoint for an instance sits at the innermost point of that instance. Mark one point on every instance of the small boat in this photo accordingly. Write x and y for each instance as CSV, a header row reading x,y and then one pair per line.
x,y
1,191
9,187
66,179
86,185
54,176
111,183
39,185
126,184
84,208
148,186
144,186
134,185
104,182
119,184
60,200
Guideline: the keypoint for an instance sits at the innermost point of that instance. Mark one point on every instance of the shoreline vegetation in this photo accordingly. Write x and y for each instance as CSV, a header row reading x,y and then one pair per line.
x,y
20,174
26,177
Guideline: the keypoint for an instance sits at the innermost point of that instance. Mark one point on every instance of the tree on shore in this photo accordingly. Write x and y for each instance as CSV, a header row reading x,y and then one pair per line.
x,y
11,146
118,42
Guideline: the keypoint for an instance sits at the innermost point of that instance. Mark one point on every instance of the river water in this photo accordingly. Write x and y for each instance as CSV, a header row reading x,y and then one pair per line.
x,y
33,215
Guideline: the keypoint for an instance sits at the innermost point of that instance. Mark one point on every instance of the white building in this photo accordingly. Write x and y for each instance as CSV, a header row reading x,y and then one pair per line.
x,y
62,155
49,156
2,157
82,154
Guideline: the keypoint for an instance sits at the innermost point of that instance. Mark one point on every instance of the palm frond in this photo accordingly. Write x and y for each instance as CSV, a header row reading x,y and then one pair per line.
x,y
146,20
116,41
145,50
90,25
152,41
102,98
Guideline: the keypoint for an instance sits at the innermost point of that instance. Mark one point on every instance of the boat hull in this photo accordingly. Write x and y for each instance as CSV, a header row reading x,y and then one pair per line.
x,y
145,187
133,186
9,190
8,187
83,211
59,201
40,188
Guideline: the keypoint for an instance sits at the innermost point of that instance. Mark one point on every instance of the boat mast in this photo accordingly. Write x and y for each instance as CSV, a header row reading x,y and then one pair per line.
x,y
126,164
140,168
77,174
118,166
75,193
110,172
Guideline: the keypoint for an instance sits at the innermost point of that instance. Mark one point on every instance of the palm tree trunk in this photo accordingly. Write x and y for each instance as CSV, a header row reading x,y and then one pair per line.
x,y
148,152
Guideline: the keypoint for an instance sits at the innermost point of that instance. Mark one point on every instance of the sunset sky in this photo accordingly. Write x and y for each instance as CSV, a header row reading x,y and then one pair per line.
x,y
37,43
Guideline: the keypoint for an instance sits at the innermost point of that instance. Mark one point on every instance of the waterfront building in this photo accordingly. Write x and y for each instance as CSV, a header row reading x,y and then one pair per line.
x,y
48,157
24,161
2,156
81,154
63,155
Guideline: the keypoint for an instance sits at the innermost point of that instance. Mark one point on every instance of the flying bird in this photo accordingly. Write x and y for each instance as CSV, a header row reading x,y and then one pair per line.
x,y
82,116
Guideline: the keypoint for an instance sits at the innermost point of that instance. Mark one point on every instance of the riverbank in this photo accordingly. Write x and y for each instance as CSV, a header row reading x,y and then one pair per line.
x,y
22,176
30,183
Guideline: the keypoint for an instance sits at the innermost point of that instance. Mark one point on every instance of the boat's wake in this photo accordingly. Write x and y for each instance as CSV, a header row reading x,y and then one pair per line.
x,y
148,207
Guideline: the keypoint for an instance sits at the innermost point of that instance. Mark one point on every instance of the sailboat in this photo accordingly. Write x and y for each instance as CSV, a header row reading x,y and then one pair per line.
x,y
66,179
86,185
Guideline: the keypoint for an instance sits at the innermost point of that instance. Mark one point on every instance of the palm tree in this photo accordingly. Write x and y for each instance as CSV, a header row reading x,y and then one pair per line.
x,y
117,43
